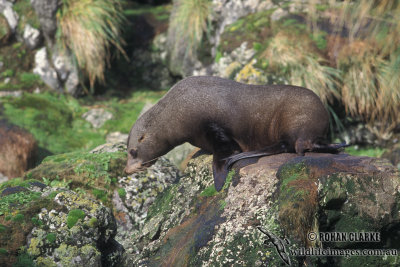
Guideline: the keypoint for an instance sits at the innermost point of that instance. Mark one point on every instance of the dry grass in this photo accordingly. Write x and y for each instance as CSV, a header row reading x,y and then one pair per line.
x,y
301,66
371,60
88,28
188,22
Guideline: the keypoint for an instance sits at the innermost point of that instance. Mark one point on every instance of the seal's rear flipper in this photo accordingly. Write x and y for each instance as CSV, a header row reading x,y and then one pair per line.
x,y
329,148
267,151
220,173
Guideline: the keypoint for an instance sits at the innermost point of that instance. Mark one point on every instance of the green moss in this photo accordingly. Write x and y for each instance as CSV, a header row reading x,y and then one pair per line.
x,y
51,237
254,28
35,220
352,223
19,218
320,39
210,191
128,111
26,14
16,200
100,194
73,217
28,79
53,120
2,228
3,251
7,73
374,152
162,202
24,260
160,12
121,192
93,222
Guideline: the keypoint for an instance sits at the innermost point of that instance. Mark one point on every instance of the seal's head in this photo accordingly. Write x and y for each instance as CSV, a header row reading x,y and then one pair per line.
x,y
145,145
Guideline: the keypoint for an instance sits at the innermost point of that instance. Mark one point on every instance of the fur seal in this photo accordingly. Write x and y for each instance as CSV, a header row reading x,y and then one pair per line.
x,y
232,121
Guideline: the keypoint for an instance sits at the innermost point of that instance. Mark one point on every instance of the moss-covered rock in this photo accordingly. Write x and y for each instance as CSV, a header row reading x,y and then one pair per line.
x,y
272,206
50,226
95,173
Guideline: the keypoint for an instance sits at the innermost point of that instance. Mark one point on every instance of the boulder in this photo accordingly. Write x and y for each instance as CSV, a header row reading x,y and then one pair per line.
x,y
45,70
97,117
46,11
56,227
18,150
31,37
282,199
10,15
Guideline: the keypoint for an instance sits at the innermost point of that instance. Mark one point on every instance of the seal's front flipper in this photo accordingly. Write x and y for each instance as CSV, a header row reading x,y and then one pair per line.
x,y
220,173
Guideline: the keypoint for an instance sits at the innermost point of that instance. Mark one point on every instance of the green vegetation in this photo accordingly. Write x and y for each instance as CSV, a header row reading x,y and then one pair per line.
x,y
88,28
294,58
51,237
100,194
210,191
73,217
54,120
375,152
26,14
24,260
82,172
188,22
160,12
19,218
16,200
121,192
128,111
254,28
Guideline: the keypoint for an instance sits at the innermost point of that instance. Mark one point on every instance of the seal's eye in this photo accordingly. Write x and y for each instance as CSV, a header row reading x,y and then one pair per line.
x,y
141,138
133,153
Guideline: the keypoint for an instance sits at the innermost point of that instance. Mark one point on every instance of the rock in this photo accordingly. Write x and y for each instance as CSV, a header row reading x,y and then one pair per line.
x,y
3,178
393,155
150,64
18,150
45,71
60,228
46,11
117,137
226,12
67,72
10,15
10,93
97,117
138,192
31,37
230,64
191,224
278,14
179,154
5,31
110,147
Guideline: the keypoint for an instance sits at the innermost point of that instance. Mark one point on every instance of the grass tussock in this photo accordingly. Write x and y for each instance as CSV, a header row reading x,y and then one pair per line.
x,y
302,66
188,22
371,85
89,28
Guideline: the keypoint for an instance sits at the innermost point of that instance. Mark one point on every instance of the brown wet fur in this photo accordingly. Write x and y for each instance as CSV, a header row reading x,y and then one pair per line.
x,y
17,150
225,118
